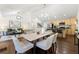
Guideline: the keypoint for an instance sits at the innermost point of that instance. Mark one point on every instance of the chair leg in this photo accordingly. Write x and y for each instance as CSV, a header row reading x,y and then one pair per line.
x,y
52,48
55,47
15,52
48,51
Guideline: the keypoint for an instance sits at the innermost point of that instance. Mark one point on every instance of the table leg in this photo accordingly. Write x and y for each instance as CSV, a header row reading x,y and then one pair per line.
x,y
78,46
34,49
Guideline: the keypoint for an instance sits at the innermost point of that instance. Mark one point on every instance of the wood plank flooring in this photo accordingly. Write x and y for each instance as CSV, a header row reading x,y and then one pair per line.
x,y
66,46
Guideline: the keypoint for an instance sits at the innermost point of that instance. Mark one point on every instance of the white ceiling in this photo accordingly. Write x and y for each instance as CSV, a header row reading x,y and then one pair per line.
x,y
53,11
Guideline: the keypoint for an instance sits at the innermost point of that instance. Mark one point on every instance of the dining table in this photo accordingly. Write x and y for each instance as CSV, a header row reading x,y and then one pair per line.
x,y
33,37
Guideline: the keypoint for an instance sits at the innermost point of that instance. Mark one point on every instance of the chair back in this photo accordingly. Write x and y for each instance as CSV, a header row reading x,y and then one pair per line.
x,y
55,37
49,41
17,44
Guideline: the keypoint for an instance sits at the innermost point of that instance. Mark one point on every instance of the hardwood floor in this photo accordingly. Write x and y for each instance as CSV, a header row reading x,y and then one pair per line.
x,y
66,46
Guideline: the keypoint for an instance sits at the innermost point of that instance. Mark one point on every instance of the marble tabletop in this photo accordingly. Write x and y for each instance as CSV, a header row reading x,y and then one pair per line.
x,y
35,36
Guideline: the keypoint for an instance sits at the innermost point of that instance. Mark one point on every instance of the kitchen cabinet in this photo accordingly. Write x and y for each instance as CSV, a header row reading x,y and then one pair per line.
x,y
7,47
70,21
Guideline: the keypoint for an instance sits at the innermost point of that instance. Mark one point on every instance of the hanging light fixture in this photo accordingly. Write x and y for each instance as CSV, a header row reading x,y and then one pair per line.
x,y
18,17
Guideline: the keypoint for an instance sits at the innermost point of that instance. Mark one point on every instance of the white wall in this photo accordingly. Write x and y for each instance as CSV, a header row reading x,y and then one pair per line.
x,y
3,23
28,21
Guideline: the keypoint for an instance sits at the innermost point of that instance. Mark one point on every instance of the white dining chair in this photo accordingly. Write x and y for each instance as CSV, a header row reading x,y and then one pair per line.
x,y
54,44
46,44
55,38
22,47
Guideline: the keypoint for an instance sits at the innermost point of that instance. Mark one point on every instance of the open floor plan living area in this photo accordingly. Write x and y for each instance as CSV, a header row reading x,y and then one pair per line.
x,y
39,28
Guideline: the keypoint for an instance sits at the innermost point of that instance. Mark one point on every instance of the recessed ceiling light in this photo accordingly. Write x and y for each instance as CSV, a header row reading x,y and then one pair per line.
x,y
64,15
55,17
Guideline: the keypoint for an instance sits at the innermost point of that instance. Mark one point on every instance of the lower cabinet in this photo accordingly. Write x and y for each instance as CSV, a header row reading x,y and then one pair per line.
x,y
7,47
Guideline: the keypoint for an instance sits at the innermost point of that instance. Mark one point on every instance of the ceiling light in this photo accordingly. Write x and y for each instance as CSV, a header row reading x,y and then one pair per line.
x,y
64,15
55,17
18,17
0,14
